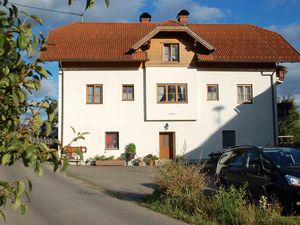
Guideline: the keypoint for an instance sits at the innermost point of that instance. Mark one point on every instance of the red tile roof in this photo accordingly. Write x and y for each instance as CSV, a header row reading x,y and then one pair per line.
x,y
113,41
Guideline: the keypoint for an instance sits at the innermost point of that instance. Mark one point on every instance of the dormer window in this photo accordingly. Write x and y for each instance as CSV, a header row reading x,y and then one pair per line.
x,y
171,53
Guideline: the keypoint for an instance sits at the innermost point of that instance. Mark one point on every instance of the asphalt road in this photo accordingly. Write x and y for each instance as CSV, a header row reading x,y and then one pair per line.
x,y
58,200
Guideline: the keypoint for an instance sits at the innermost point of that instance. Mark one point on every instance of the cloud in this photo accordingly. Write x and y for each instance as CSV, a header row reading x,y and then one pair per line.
x,y
168,9
291,32
49,88
206,14
118,10
121,11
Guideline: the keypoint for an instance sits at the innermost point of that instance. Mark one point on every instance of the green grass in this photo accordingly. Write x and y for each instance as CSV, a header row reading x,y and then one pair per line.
x,y
175,212
173,208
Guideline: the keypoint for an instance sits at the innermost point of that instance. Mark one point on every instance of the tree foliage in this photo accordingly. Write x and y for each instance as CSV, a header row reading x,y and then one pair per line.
x,y
21,73
289,124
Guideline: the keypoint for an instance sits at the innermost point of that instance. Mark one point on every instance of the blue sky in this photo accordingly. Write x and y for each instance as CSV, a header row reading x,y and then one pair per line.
x,y
279,15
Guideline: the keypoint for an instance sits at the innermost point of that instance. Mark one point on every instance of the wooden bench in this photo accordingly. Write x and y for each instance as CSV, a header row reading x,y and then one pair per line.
x,y
73,153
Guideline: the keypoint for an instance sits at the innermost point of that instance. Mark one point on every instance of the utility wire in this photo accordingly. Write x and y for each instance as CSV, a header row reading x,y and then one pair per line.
x,y
48,10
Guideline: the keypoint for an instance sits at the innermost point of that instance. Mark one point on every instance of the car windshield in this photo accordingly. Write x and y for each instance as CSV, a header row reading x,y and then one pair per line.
x,y
283,157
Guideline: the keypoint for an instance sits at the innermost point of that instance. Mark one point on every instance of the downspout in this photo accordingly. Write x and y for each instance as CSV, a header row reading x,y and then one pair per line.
x,y
61,73
274,100
145,92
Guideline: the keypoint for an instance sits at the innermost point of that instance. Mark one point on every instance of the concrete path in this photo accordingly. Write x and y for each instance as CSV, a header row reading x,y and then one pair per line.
x,y
58,200
126,182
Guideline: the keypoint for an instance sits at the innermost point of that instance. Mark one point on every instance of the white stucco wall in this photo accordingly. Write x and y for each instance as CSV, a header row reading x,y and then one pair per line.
x,y
197,125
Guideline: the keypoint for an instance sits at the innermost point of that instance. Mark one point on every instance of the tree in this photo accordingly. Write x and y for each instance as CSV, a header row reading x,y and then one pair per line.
x,y
21,73
289,117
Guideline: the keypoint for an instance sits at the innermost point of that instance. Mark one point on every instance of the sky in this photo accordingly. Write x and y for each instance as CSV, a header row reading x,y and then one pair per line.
x,y
282,16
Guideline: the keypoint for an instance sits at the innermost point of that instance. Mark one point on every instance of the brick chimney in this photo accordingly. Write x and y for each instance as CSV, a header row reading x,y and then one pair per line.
x,y
145,17
183,16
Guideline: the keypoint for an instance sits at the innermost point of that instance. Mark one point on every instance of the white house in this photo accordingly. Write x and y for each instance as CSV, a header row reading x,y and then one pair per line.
x,y
171,88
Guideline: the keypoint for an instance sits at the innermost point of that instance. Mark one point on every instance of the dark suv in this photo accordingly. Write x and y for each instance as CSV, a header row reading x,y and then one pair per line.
x,y
270,171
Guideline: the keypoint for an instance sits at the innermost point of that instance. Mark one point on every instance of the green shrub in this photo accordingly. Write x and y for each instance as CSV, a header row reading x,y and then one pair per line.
x,y
131,148
102,157
122,156
99,157
151,157
182,183
226,206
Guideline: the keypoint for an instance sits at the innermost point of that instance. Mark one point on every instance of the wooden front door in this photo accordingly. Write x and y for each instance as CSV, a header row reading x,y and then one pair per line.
x,y
166,145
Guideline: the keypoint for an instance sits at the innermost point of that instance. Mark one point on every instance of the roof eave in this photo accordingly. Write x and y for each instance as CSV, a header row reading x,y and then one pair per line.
x,y
251,61
158,29
93,60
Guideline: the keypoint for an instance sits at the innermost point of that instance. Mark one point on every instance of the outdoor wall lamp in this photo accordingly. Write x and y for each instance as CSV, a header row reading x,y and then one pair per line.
x,y
166,126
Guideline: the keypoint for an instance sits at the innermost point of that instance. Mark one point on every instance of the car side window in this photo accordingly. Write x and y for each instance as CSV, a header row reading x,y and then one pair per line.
x,y
266,163
253,160
238,159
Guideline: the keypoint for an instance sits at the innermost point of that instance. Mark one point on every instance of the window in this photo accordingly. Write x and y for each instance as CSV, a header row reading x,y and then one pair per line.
x,y
111,140
128,92
212,92
171,53
171,93
253,160
244,93
94,94
239,159
228,137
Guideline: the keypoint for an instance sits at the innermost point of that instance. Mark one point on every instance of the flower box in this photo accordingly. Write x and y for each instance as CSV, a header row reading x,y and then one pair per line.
x,y
110,163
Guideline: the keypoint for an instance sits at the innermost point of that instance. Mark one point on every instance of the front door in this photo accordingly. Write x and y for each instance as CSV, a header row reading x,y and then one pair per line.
x,y
166,145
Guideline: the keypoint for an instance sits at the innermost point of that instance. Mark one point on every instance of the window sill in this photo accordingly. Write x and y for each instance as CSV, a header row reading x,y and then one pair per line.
x,y
171,62
111,148
171,103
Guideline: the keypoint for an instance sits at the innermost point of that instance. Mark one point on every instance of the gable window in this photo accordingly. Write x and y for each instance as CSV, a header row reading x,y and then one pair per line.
x,y
212,92
171,53
94,94
244,93
228,138
172,93
128,92
111,140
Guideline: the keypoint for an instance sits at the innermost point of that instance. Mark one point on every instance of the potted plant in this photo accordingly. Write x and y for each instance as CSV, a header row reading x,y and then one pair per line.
x,y
150,159
139,162
108,161
281,71
130,152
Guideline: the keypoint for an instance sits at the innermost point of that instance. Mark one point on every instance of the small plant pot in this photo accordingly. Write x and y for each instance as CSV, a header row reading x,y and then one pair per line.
x,y
150,163
141,164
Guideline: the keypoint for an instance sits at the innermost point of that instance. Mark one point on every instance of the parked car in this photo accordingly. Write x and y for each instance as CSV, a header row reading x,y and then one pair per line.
x,y
270,171
211,164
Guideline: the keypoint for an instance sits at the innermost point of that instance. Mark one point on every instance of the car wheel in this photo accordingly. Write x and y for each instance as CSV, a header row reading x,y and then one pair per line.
x,y
221,183
273,198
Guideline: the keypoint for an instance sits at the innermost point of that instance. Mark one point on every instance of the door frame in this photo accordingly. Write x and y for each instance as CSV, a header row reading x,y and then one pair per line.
x,y
173,133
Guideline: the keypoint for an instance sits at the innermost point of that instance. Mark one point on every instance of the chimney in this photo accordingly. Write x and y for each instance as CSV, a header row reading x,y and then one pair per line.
x,y
183,16
145,17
